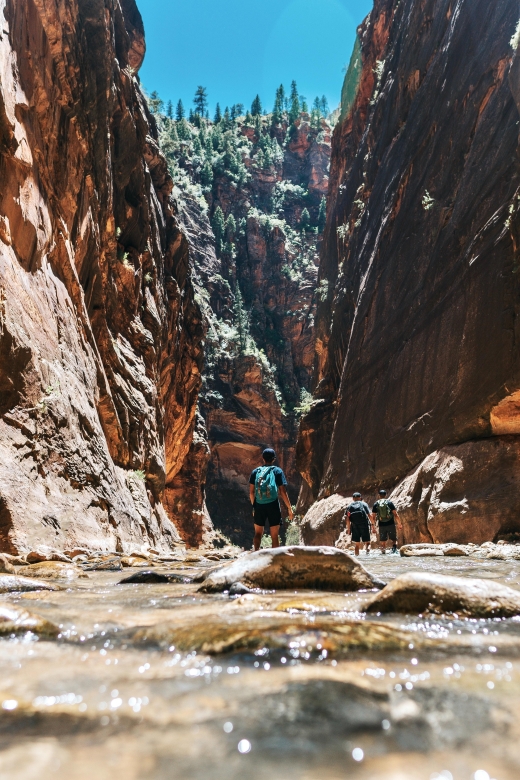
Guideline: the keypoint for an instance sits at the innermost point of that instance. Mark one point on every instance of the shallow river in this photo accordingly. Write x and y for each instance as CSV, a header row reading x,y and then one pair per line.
x,y
106,700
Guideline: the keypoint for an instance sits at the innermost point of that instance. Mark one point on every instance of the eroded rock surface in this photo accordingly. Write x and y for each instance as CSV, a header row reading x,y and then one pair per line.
x,y
321,568
419,592
416,334
100,335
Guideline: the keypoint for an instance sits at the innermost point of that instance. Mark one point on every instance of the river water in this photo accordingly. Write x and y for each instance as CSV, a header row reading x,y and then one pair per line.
x,y
110,698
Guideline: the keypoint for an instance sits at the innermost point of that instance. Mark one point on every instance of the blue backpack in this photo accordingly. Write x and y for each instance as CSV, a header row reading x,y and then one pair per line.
x,y
266,489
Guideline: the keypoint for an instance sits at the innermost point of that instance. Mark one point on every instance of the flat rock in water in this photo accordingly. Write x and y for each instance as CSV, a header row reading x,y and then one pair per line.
x,y
432,550
310,568
43,554
419,592
151,577
18,621
53,570
112,564
10,583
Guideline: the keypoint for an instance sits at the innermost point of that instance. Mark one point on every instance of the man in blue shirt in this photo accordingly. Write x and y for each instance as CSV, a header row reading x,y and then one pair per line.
x,y
266,512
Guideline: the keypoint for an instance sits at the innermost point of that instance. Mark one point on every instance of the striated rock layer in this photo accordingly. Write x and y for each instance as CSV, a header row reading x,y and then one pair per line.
x,y
417,369
100,336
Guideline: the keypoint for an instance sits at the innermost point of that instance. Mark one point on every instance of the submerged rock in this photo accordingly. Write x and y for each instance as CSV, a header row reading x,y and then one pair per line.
x,y
417,592
320,568
19,621
15,584
53,570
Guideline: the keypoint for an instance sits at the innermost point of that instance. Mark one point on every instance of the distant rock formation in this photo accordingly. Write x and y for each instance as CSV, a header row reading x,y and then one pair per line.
x,y
417,372
256,275
101,340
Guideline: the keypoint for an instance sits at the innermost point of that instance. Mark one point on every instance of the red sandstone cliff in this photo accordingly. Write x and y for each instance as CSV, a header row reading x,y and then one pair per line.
x,y
417,373
100,335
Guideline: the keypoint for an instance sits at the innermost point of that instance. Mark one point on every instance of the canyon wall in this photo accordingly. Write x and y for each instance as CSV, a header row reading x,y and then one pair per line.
x,y
101,340
417,371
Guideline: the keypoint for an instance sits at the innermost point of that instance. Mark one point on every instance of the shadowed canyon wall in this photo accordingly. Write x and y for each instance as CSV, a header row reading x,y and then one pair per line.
x,y
417,372
100,335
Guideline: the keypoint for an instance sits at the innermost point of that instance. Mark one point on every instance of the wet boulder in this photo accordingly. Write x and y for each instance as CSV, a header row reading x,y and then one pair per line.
x,y
18,621
10,583
419,592
311,568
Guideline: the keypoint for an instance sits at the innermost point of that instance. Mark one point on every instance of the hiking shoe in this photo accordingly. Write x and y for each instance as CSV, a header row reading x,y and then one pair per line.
x,y
383,551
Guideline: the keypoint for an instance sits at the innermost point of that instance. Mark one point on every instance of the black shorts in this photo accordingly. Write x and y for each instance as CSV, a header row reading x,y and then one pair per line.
x,y
267,515
360,533
387,531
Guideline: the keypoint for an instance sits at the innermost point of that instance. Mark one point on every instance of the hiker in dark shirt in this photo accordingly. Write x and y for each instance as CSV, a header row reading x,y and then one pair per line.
x,y
359,523
389,522
266,484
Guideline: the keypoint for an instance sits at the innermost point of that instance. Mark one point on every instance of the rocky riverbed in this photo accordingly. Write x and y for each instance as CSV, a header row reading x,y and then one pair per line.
x,y
164,680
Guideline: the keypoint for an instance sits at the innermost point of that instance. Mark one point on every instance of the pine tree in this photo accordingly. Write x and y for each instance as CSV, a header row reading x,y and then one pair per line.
x,y
278,106
197,147
200,101
324,105
249,119
191,117
231,228
227,119
239,109
155,103
169,110
294,111
256,106
303,104
305,219
219,226
206,175
179,111
218,114
322,214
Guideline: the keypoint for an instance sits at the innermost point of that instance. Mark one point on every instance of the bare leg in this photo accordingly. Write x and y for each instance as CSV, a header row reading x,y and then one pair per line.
x,y
259,530
356,548
275,535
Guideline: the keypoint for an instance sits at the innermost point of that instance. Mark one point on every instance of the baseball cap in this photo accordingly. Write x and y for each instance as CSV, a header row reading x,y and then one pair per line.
x,y
269,454
356,495
382,492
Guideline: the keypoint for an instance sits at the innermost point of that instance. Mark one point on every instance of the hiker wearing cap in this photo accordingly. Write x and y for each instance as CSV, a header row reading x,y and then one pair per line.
x,y
385,513
267,484
359,522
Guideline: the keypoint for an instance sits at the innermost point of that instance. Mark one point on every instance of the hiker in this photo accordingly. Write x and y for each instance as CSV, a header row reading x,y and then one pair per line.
x,y
359,522
385,513
266,485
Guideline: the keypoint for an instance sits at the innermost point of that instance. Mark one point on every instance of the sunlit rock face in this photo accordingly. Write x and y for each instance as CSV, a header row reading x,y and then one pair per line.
x,y
416,345
100,337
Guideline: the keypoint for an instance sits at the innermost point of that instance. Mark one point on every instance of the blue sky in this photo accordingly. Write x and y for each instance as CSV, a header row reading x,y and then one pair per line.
x,y
236,48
